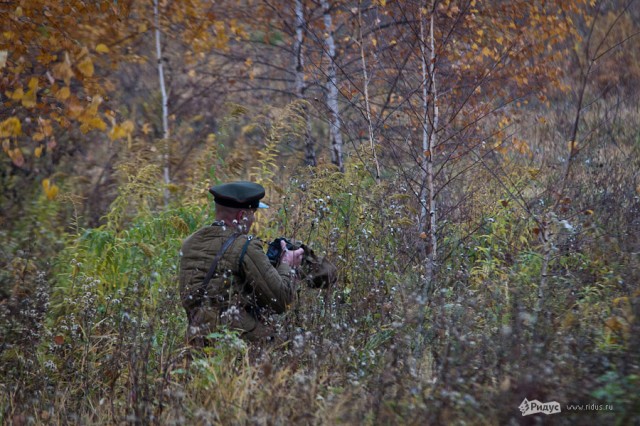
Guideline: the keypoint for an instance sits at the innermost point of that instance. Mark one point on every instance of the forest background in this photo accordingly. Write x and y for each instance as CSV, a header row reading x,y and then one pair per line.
x,y
471,167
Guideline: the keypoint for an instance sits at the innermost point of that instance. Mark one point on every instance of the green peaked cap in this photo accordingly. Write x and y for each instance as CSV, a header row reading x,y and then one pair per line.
x,y
240,195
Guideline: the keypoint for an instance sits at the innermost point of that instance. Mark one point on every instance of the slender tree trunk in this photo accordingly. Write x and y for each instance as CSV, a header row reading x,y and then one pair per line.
x,y
165,107
332,90
309,146
428,217
367,104
297,49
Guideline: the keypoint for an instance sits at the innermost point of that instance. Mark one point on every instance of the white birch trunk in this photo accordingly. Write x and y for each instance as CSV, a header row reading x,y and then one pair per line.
x,y
310,152
332,90
428,216
165,108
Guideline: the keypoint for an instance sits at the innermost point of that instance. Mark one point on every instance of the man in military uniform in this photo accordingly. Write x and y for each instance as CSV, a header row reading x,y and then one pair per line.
x,y
226,279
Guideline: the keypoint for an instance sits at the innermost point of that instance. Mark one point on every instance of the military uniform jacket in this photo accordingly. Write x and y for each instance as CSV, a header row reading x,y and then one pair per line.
x,y
242,292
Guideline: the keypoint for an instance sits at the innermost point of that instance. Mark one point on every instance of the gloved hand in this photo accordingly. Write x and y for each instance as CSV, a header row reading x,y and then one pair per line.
x,y
291,257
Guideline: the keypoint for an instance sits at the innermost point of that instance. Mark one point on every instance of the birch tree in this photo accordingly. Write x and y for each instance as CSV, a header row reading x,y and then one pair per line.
x,y
332,90
165,101
428,217
309,146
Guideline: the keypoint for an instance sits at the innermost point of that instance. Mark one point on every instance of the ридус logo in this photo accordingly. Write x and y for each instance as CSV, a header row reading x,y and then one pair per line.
x,y
534,407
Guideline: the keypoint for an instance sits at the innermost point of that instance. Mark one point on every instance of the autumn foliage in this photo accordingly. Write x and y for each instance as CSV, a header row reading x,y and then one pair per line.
x,y
471,168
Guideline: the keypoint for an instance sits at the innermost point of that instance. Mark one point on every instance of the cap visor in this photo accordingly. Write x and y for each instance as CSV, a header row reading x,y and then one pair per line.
x,y
262,205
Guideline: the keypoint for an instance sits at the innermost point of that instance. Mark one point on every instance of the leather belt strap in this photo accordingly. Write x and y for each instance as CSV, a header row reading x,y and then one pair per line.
x,y
216,260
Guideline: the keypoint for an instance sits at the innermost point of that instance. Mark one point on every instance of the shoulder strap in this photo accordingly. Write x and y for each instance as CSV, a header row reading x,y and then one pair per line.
x,y
216,260
242,253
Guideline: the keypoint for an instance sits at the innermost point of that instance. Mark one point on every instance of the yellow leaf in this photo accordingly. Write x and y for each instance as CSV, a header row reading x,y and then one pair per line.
x,y
37,136
53,192
63,94
33,83
121,131
17,94
50,190
480,32
423,235
38,151
102,48
620,300
486,52
375,42
10,127
16,156
86,67
29,100
97,123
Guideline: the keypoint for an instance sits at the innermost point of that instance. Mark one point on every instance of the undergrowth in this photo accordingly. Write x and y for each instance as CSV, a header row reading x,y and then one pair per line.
x,y
97,337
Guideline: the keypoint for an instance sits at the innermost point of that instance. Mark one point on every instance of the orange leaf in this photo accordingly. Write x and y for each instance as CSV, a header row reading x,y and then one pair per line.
x,y
63,94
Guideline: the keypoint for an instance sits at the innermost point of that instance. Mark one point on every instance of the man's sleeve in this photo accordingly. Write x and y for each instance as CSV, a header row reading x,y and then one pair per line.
x,y
272,287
